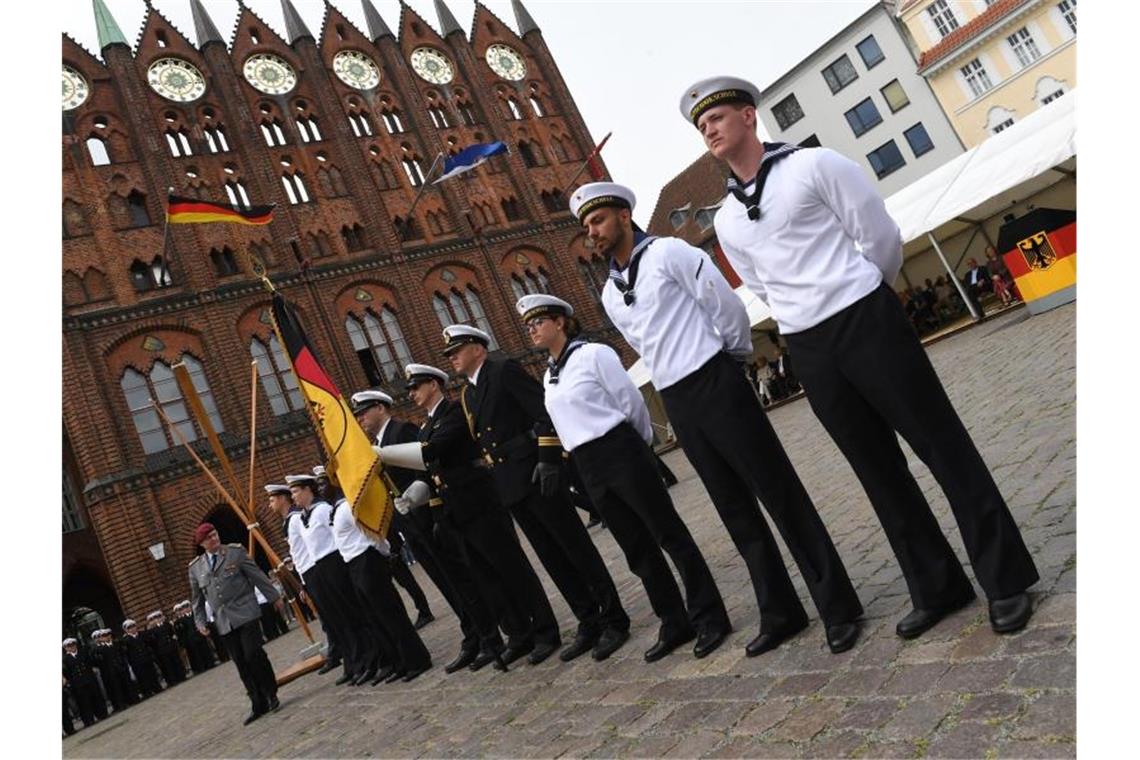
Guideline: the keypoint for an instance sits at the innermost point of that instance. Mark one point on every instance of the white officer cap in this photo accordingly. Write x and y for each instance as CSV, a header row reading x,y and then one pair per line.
x,y
418,373
716,91
128,623
542,305
319,471
457,336
596,195
362,400
304,479
275,488
69,641
154,615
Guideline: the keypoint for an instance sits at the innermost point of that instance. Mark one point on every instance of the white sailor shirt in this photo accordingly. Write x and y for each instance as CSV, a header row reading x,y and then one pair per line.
x,y
594,395
298,549
318,533
684,311
351,541
824,238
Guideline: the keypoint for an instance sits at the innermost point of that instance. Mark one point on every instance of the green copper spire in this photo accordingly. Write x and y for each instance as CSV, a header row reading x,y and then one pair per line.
x,y
109,32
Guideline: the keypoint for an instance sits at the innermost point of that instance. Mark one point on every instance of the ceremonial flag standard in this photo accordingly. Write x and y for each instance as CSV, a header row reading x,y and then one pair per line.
x,y
468,158
181,210
351,461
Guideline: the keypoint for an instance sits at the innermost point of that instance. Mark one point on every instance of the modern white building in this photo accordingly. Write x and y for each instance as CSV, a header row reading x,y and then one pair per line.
x,y
860,94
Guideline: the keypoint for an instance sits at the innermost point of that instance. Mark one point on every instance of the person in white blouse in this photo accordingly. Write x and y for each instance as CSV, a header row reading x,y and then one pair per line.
x,y
675,308
603,422
808,233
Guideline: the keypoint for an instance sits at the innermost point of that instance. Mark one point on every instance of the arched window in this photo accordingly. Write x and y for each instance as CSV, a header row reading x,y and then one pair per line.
x,y
136,209
320,245
277,379
392,122
412,167
353,237
74,220
466,113
999,118
143,392
438,116
360,124
150,276
409,229
379,344
235,191
295,188
559,149
178,143
512,110
272,132
307,127
553,201
511,209
1049,89
531,154
224,261
216,138
331,182
536,105
517,287
97,150
464,307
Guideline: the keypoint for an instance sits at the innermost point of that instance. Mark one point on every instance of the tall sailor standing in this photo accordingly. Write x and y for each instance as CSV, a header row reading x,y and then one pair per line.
x,y
809,235
602,420
505,414
678,312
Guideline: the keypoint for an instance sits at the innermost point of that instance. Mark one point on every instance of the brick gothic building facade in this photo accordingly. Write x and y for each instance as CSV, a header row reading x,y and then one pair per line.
x,y
343,162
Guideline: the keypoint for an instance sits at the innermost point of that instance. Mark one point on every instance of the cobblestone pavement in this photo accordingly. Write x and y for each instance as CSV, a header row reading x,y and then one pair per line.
x,y
958,691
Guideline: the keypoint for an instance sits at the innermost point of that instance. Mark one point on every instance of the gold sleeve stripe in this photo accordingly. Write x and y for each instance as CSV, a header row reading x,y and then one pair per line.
x,y
547,440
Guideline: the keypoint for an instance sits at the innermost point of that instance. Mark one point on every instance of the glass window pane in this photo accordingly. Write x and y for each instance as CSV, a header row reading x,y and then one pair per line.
x,y
202,386
380,346
355,334
895,96
870,52
441,311
919,140
481,320
392,326
458,308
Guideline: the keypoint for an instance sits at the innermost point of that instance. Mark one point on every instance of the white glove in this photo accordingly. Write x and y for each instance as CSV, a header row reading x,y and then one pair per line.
x,y
403,506
418,493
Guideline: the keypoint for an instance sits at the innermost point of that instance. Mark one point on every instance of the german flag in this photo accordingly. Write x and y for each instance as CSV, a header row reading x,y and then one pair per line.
x,y
351,462
181,210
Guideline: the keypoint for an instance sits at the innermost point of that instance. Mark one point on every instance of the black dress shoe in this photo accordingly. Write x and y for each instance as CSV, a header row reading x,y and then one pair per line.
x,y
666,645
842,636
274,704
1010,614
918,622
581,644
423,619
347,677
415,673
510,654
541,652
709,639
367,675
253,715
609,642
484,659
771,639
396,675
382,675
330,665
465,658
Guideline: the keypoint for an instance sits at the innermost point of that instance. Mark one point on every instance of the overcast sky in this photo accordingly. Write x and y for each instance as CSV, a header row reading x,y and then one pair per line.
x,y
625,62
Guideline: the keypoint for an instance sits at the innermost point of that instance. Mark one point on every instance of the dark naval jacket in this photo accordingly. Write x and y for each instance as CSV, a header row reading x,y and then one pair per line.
x,y
463,486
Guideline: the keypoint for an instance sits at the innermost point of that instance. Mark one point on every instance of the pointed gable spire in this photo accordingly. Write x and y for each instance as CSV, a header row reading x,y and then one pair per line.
x,y
447,23
204,28
376,26
295,27
525,22
108,29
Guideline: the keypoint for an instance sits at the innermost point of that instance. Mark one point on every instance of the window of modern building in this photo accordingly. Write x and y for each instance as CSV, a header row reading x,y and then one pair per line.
x,y
840,74
977,78
1023,46
895,96
277,378
787,112
811,141
885,159
863,116
870,52
918,139
943,17
1068,10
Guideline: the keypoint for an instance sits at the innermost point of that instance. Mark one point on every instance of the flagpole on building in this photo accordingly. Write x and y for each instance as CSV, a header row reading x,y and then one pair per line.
x,y
593,154
164,270
423,186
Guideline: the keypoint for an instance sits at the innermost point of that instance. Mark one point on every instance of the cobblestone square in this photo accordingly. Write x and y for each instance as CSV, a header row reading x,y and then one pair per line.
x,y
957,691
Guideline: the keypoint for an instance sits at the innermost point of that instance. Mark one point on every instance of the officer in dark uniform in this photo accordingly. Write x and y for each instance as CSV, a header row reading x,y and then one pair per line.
x,y
140,658
197,648
107,656
160,636
467,511
77,669
505,413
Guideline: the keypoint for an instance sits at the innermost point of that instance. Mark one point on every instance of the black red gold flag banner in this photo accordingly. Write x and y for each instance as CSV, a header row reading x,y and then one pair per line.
x,y
351,461
181,210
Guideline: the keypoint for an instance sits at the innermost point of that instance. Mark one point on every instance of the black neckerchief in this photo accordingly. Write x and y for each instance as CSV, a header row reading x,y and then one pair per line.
x,y
641,241
556,365
288,515
773,152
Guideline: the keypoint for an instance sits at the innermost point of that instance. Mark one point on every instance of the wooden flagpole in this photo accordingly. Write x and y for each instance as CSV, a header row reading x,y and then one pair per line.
x,y
252,438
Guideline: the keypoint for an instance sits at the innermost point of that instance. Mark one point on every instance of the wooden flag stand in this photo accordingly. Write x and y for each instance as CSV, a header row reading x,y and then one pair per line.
x,y
256,538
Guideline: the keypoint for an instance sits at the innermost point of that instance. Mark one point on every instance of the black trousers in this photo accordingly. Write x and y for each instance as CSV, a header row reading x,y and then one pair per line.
x,y
385,611
401,573
432,555
170,663
621,477
720,424
244,646
146,672
89,700
564,548
479,621
119,686
867,376
339,608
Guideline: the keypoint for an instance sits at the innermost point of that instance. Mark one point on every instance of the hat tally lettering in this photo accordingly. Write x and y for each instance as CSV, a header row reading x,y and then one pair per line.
x,y
716,91
595,195
543,305
304,479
